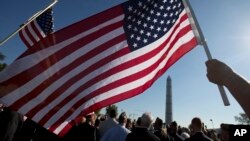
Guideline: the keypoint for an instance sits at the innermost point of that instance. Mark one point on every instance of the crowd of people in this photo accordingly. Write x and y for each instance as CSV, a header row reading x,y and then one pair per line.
x,y
112,127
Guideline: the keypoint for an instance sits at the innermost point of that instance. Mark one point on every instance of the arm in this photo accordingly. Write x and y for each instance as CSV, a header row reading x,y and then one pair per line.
x,y
220,73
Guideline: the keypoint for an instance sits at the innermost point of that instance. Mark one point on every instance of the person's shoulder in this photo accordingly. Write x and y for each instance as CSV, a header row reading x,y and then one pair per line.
x,y
153,136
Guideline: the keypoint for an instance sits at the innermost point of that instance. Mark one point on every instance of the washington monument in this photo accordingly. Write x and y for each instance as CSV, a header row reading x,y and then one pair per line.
x,y
169,113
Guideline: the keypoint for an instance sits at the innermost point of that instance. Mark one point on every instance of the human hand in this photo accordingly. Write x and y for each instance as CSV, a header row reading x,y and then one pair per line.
x,y
218,72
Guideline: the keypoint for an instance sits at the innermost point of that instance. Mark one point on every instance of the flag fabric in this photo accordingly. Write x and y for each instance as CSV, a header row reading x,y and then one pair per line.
x,y
37,29
101,60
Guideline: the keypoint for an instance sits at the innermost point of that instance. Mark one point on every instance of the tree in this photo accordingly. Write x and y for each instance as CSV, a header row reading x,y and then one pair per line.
x,y
242,119
2,65
110,108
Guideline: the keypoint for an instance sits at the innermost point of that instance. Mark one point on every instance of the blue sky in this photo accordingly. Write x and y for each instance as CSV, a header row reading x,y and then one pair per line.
x,y
224,23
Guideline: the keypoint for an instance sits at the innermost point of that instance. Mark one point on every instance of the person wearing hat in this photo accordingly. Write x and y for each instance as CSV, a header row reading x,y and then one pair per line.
x,y
84,131
119,132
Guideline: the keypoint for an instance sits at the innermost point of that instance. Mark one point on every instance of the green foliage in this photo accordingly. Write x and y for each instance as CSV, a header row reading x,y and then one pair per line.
x,y
242,119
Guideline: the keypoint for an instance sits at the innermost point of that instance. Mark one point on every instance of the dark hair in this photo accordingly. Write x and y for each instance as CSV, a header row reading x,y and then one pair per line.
x,y
122,117
113,113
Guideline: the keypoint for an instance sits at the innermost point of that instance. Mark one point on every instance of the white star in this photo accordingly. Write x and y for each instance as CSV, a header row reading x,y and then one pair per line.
x,y
152,27
179,5
135,45
138,38
165,15
165,29
171,14
145,25
129,26
130,8
162,22
162,7
142,31
142,15
138,22
155,21
173,21
171,1
164,1
132,36
174,6
135,29
148,34
155,35
168,8
140,4
152,12
158,14
158,29
148,18
155,5
176,13
168,22
144,7
145,40
133,20
129,17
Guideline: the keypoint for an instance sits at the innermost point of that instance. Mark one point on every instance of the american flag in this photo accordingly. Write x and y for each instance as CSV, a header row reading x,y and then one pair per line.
x,y
101,60
37,29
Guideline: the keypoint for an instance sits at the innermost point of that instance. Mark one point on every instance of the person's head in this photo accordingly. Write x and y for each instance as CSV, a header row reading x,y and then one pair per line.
x,y
146,120
90,118
196,124
122,118
173,127
138,122
113,113
129,124
158,123
224,131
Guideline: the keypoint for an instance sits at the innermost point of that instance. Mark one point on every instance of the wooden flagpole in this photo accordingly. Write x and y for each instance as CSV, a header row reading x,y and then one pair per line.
x,y
202,41
29,21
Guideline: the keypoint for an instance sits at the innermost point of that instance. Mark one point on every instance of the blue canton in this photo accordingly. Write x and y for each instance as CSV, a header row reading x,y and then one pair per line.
x,y
45,21
148,20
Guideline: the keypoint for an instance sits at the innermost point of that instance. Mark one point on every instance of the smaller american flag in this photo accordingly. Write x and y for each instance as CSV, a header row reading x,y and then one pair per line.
x,y
37,29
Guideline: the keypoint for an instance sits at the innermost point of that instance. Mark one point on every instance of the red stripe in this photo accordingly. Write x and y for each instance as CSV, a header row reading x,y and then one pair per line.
x,y
30,36
79,76
23,39
36,30
174,58
109,73
122,81
27,75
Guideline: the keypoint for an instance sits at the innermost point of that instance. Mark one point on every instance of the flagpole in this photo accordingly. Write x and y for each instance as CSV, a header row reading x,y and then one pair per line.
x,y
29,21
202,41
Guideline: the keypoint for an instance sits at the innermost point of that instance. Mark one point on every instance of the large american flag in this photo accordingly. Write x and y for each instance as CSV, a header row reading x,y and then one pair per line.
x,y
101,60
37,29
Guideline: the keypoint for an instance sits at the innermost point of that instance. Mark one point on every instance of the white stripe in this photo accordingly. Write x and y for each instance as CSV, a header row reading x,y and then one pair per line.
x,y
26,37
33,33
39,29
57,84
61,127
26,63
135,84
119,75
128,86
29,86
